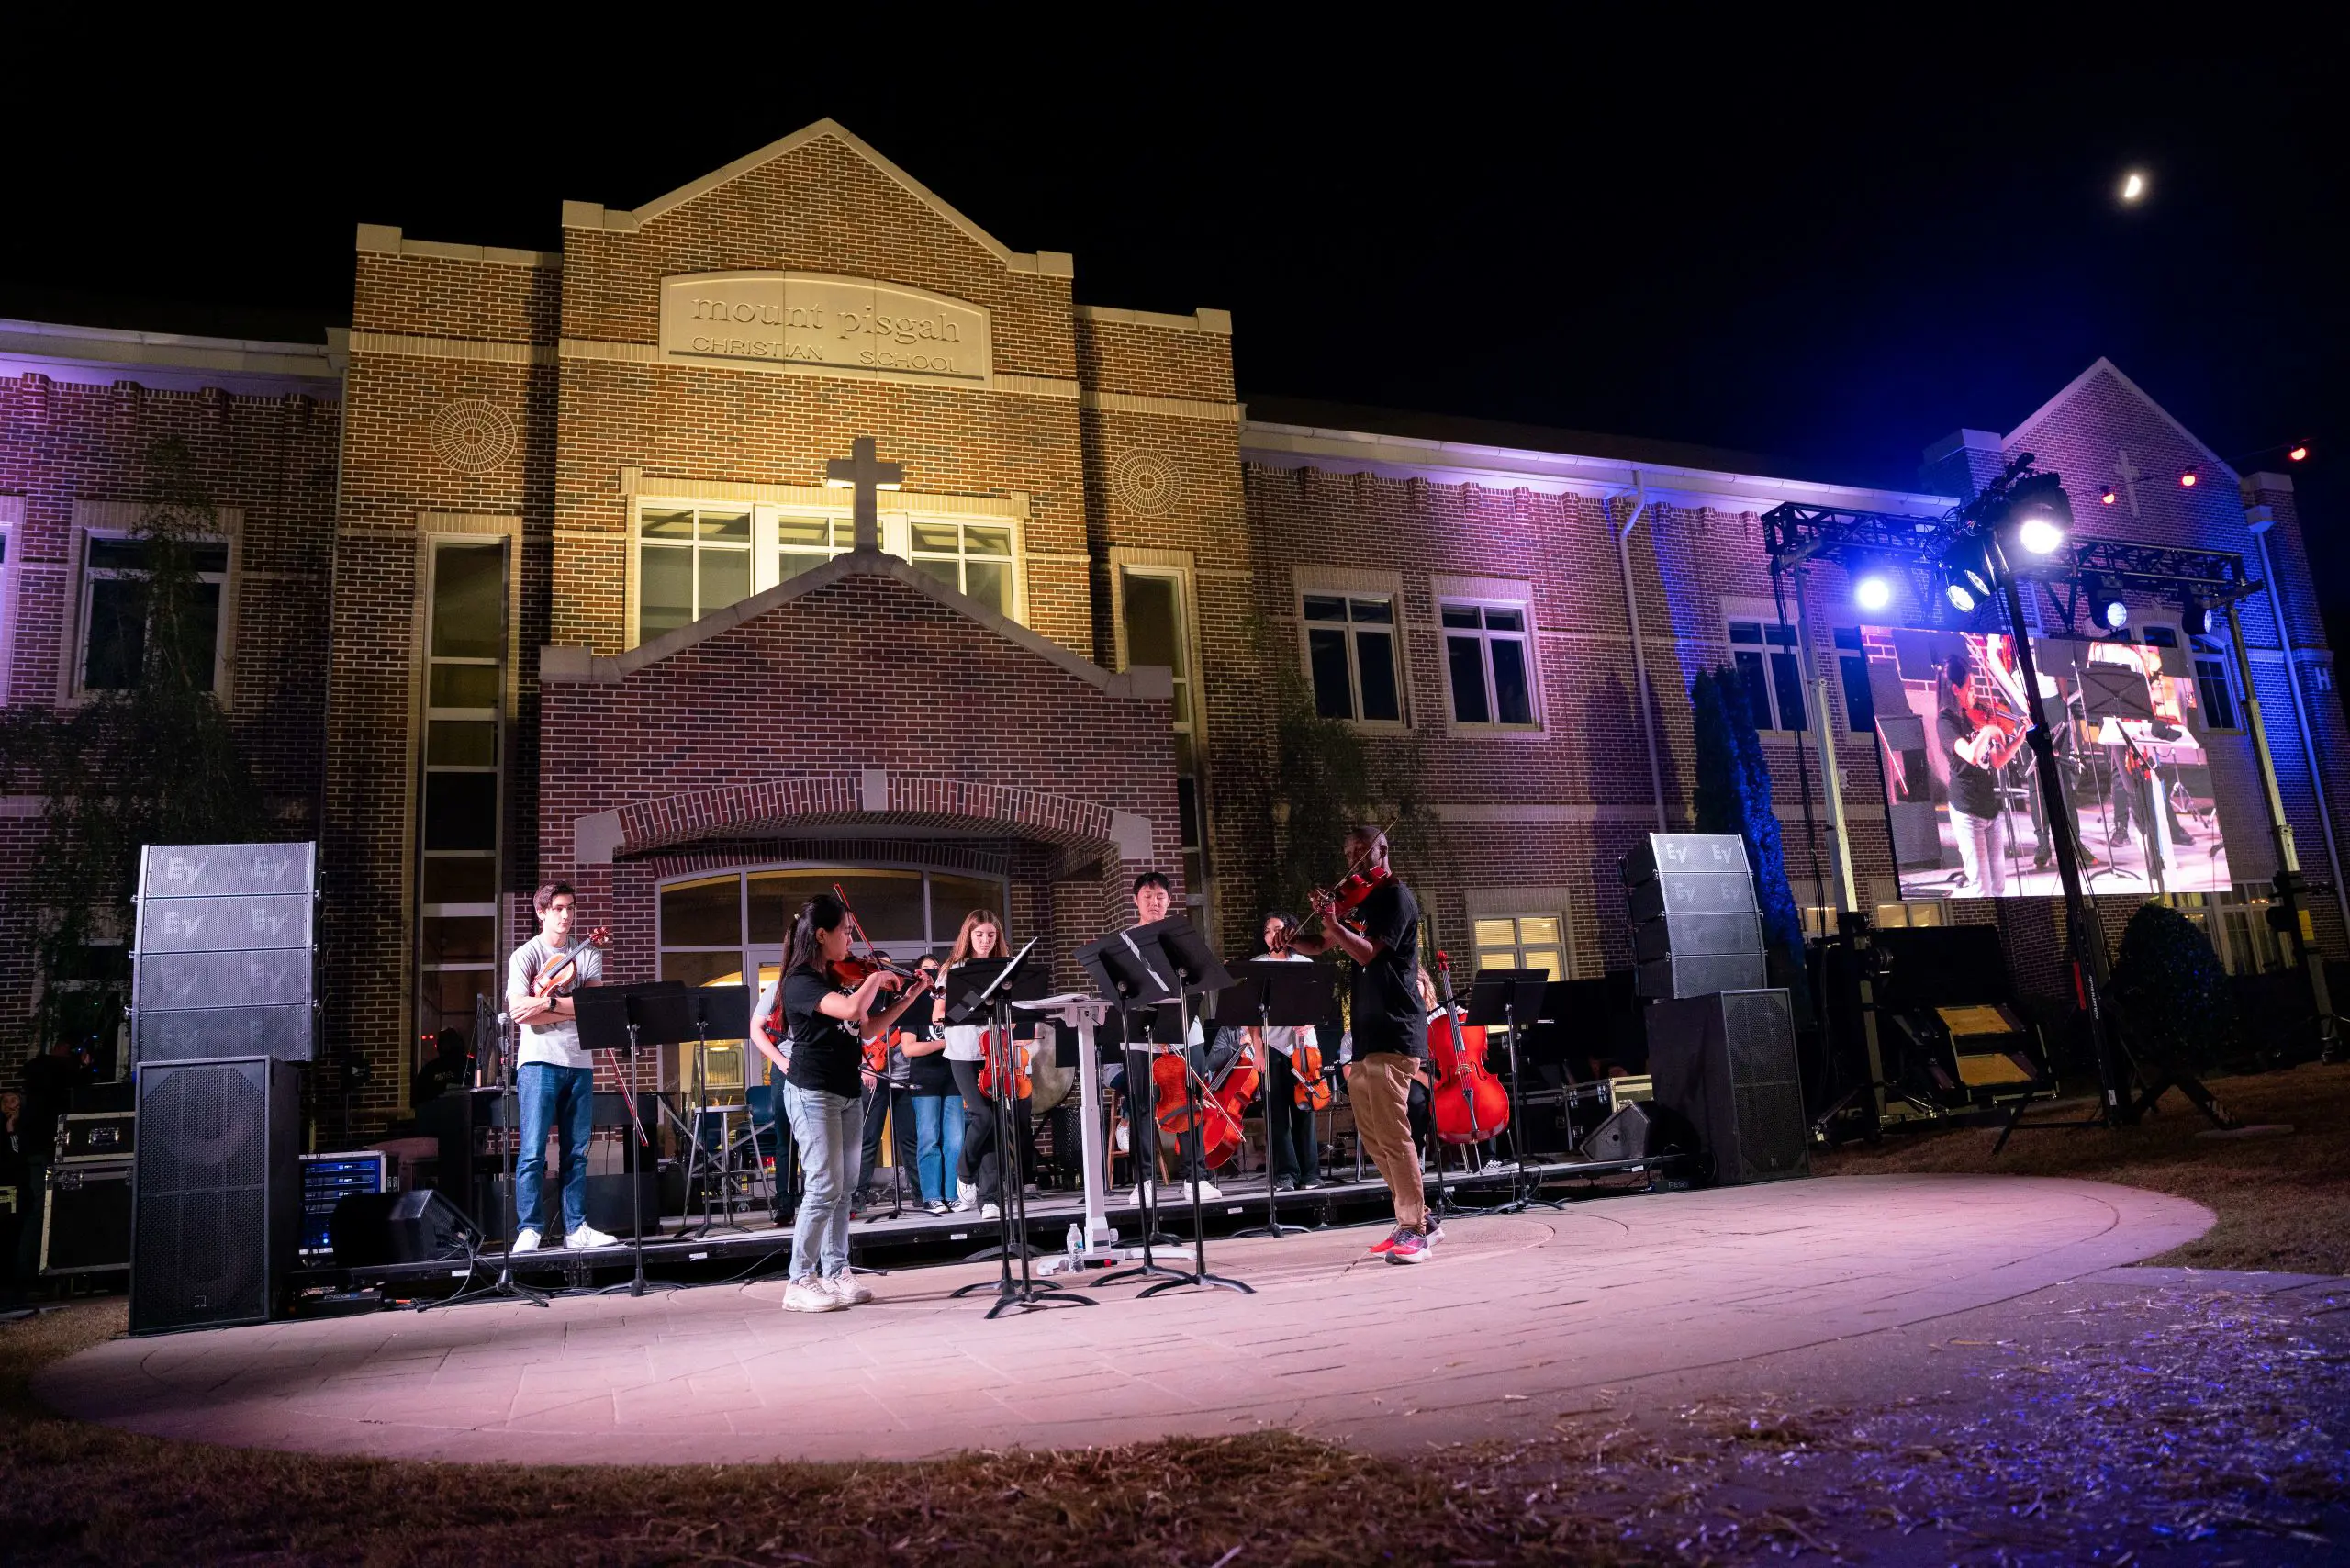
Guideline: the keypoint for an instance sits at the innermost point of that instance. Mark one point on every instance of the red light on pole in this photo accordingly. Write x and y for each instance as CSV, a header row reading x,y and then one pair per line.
x,y
2106,494
2298,452
2187,478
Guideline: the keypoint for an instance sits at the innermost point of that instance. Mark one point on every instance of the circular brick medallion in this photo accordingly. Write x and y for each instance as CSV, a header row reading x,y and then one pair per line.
x,y
471,436
1146,482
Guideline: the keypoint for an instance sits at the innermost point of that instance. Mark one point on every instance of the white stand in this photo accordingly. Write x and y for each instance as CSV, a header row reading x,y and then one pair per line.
x,y
1082,1013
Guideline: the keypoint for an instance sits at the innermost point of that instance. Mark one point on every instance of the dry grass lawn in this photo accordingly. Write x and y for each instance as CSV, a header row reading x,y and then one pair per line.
x,y
2283,1202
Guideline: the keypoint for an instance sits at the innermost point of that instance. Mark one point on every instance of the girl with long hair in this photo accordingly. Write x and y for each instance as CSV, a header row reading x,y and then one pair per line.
x,y
823,1096
982,937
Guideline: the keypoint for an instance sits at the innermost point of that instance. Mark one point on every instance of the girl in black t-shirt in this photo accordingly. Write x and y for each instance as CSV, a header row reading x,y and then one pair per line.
x,y
823,1096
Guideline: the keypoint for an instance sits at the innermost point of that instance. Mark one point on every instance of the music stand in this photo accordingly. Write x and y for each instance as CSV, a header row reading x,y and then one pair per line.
x,y
1128,968
1281,994
994,1002
723,1011
627,1018
1184,956
1500,996
510,1140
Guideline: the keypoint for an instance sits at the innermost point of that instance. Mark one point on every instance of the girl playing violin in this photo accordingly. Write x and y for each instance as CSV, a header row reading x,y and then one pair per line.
x,y
823,1097
982,937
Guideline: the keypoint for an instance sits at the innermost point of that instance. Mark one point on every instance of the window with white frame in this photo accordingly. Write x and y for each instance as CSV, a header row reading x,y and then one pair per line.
x,y
803,543
973,558
1522,942
1351,657
689,561
463,795
1489,664
1155,628
1771,670
116,621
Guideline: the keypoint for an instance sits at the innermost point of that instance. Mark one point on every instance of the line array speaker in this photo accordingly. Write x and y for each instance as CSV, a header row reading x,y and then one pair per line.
x,y
1723,1068
227,956
217,1197
1701,974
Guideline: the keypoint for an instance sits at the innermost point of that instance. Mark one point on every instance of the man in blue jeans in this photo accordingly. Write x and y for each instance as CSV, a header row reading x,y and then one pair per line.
x,y
557,1077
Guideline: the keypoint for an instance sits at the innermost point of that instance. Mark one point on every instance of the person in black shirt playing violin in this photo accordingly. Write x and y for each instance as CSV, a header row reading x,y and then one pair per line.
x,y
1390,1026
823,1094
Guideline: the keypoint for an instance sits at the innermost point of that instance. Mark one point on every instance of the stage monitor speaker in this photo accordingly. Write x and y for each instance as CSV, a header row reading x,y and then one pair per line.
x,y
216,1196
1623,1136
1702,974
369,1229
1723,1068
1654,939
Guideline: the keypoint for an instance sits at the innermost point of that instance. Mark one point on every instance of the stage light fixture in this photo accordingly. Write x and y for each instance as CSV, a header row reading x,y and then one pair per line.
x,y
2301,450
2039,534
1872,591
1961,596
2186,478
2194,614
2107,606
2038,514
2134,186
2108,496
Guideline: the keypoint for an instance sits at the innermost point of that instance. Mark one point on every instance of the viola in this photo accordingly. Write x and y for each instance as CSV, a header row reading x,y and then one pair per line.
x,y
1466,1103
1312,1089
567,968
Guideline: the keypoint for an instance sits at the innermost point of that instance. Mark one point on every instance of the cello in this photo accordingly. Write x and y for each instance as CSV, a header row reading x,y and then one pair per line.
x,y
1466,1103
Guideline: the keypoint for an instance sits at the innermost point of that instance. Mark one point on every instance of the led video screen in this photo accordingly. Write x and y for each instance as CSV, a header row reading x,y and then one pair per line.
x,y
1963,794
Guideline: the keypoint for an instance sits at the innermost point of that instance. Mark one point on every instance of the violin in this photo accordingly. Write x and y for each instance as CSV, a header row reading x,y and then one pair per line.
x,y
1312,1089
1466,1103
567,968
1023,1085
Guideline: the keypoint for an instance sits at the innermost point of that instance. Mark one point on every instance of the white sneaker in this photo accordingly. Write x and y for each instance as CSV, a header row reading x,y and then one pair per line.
x,y
588,1238
846,1290
811,1295
1208,1192
525,1240
966,1195
990,1211
1146,1192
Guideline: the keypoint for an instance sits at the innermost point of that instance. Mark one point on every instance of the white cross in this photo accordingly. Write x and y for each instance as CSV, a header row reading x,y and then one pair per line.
x,y
866,474
2129,477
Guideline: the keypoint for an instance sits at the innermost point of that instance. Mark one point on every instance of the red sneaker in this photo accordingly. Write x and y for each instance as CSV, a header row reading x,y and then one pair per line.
x,y
1389,1245
1411,1246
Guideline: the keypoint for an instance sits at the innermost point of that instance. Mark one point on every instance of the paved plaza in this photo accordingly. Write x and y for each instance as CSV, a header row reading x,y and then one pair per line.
x,y
1517,1319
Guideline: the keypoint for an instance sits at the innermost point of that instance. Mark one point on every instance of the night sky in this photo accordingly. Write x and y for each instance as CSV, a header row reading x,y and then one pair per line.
x,y
1830,263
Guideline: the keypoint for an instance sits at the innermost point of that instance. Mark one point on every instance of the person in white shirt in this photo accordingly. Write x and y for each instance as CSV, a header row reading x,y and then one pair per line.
x,y
557,1080
1296,1155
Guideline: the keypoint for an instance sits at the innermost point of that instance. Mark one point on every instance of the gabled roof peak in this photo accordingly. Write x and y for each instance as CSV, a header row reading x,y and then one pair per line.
x,y
590,215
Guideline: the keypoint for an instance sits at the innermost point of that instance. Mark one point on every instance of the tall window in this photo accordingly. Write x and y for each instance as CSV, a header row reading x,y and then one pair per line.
x,y
803,543
1490,664
689,561
1764,651
464,775
115,618
1350,652
1522,942
973,558
1155,625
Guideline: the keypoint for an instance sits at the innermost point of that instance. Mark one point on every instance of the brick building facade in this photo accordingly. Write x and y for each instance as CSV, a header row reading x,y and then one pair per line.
x,y
535,572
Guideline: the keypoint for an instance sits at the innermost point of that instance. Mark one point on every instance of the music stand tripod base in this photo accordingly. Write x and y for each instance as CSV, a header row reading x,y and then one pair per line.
x,y
1503,996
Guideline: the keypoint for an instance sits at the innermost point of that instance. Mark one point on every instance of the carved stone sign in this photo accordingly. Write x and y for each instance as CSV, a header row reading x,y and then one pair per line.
x,y
814,322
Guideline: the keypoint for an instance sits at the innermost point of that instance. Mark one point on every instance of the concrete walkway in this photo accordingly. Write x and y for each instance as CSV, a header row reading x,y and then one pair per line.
x,y
1515,1319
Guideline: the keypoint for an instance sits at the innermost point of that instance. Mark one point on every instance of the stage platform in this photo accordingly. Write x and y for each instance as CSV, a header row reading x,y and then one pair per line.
x,y
684,1251
1515,1321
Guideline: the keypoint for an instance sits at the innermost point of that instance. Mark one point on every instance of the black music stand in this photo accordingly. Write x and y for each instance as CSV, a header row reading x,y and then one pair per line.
x,y
994,1002
1183,955
971,979
509,1139
723,1011
1131,972
1503,996
628,1019
1281,994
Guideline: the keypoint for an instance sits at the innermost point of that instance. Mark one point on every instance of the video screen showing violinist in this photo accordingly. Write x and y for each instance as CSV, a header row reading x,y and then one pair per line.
x,y
2128,722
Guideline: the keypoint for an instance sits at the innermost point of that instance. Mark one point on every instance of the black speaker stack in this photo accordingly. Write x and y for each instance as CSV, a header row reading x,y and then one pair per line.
x,y
224,1006
1721,1044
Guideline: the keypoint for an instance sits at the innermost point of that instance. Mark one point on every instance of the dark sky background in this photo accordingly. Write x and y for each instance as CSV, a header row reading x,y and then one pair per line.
x,y
1831,260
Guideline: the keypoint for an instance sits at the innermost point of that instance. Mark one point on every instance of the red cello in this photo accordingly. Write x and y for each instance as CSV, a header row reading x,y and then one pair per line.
x,y
1466,1103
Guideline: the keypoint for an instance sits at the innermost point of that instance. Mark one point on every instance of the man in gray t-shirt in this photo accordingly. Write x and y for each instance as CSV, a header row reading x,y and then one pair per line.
x,y
556,1078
